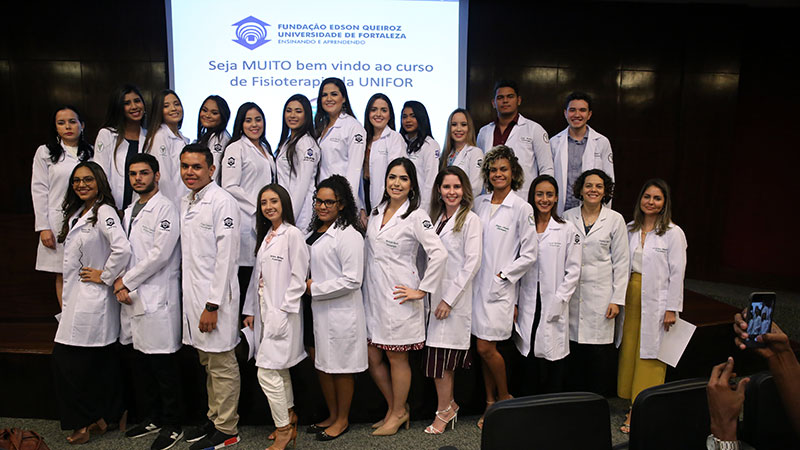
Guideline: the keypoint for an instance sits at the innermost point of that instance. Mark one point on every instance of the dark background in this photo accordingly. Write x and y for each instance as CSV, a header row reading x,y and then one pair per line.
x,y
702,95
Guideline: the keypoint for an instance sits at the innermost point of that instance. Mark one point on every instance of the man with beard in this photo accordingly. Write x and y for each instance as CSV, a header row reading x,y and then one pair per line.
x,y
150,316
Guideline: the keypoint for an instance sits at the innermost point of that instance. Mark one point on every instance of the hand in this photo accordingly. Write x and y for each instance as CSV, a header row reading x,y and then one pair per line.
x,y
724,402
442,311
669,320
363,217
89,275
612,311
516,313
776,341
308,286
406,293
48,240
248,321
123,296
208,321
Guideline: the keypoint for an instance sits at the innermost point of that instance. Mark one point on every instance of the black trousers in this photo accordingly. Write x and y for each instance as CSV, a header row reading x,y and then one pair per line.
x,y
158,387
592,368
542,376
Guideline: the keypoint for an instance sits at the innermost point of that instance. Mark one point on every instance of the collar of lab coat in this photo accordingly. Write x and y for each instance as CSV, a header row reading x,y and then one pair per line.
x,y
506,201
279,232
601,220
552,225
171,135
396,217
448,227
198,197
147,206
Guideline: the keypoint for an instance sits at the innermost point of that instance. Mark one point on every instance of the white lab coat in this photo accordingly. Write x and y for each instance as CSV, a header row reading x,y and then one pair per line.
x,y
340,327
217,147
531,146
509,246
663,269
391,255
470,160
557,270
49,184
113,161
342,152
277,315
389,146
245,170
301,183
209,248
154,274
604,276
426,161
597,155
166,147
464,253
90,313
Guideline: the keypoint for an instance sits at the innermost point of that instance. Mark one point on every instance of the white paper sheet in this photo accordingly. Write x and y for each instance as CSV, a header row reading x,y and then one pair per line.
x,y
250,336
674,342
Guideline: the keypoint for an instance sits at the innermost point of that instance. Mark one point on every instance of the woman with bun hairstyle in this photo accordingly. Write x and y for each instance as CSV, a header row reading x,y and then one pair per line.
x,y
52,166
461,150
297,159
421,148
212,121
165,141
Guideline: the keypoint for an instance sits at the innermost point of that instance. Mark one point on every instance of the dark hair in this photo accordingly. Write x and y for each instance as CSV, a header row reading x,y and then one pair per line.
x,y
115,115
437,206
72,203
321,119
146,158
368,125
157,117
502,152
608,184
344,195
263,225
578,95
423,125
449,144
505,83
85,150
306,128
238,125
532,196
665,216
204,134
413,195
199,148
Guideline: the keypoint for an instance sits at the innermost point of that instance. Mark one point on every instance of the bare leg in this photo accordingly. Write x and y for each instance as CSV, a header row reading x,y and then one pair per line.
x,y
445,408
344,387
379,372
60,288
401,384
326,382
495,364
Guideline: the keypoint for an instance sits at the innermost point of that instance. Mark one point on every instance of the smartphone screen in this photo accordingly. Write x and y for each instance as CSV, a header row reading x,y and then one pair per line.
x,y
759,316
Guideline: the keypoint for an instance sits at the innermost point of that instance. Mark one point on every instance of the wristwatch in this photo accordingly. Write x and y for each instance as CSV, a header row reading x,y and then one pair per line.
x,y
210,307
713,443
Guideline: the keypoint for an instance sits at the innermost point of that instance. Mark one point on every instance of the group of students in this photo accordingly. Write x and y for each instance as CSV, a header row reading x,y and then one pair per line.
x,y
352,244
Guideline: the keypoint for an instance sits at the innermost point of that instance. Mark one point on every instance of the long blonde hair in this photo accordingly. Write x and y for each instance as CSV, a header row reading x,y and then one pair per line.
x,y
438,206
449,144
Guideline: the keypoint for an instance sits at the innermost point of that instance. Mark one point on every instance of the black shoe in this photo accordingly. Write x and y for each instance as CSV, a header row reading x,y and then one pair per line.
x,y
314,429
143,429
194,434
323,436
167,438
215,441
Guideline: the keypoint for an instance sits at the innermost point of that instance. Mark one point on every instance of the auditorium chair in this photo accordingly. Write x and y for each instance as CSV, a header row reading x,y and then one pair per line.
x,y
765,425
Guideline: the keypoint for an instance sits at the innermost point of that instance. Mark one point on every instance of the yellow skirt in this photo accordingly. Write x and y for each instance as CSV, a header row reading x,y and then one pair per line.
x,y
635,374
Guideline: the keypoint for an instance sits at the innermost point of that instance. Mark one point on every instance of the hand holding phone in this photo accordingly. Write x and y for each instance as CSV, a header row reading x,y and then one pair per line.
x,y
759,317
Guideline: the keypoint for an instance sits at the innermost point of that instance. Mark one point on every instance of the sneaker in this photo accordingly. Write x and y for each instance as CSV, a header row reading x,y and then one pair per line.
x,y
194,434
215,441
167,438
143,429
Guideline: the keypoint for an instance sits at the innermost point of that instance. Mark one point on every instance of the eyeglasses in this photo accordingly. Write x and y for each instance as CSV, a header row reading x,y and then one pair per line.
x,y
86,180
328,203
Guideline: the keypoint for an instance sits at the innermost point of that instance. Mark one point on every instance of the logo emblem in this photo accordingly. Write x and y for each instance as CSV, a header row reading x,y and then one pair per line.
x,y
165,224
163,149
110,222
545,137
480,162
217,147
359,138
251,33
427,224
577,239
231,161
531,220
228,222
310,153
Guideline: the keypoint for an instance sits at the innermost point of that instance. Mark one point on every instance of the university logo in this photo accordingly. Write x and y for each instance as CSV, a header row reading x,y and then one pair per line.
x,y
251,33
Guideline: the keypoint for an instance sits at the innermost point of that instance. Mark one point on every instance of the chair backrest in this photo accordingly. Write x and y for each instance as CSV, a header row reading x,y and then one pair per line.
x,y
765,425
671,416
549,421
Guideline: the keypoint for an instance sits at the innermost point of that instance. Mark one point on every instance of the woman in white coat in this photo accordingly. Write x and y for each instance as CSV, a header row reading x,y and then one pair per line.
x,y
421,148
545,291
450,320
601,290
393,291
384,144
247,166
460,149
212,124
341,139
52,166
165,141
121,137
272,307
340,329
297,159
86,364
509,250
655,290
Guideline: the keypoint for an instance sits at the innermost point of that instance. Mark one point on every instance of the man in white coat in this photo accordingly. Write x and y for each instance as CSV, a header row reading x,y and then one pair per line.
x,y
150,316
578,148
527,138
210,248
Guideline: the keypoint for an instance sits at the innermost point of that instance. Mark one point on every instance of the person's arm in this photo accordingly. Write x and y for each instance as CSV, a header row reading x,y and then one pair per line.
x,y
305,174
676,259
529,245
434,249
542,152
226,223
572,269
430,160
724,402
108,222
350,251
474,170
232,177
40,190
356,148
165,238
473,252
620,261
298,260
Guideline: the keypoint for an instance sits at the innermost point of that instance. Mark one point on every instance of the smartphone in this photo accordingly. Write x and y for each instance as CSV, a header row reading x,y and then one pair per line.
x,y
759,317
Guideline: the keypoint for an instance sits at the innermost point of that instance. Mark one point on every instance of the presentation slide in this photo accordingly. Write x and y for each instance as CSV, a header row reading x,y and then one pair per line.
x,y
265,51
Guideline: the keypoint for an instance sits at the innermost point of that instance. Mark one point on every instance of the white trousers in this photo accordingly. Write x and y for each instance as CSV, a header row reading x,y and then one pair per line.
x,y
277,386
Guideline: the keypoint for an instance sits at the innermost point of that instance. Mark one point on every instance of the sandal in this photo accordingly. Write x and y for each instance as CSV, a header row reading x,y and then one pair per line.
x,y
625,428
480,421
447,421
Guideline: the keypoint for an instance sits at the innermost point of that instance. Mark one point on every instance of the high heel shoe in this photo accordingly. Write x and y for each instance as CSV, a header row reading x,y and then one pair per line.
x,y
292,421
98,428
78,437
283,436
440,415
387,430
480,421
455,407
380,423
